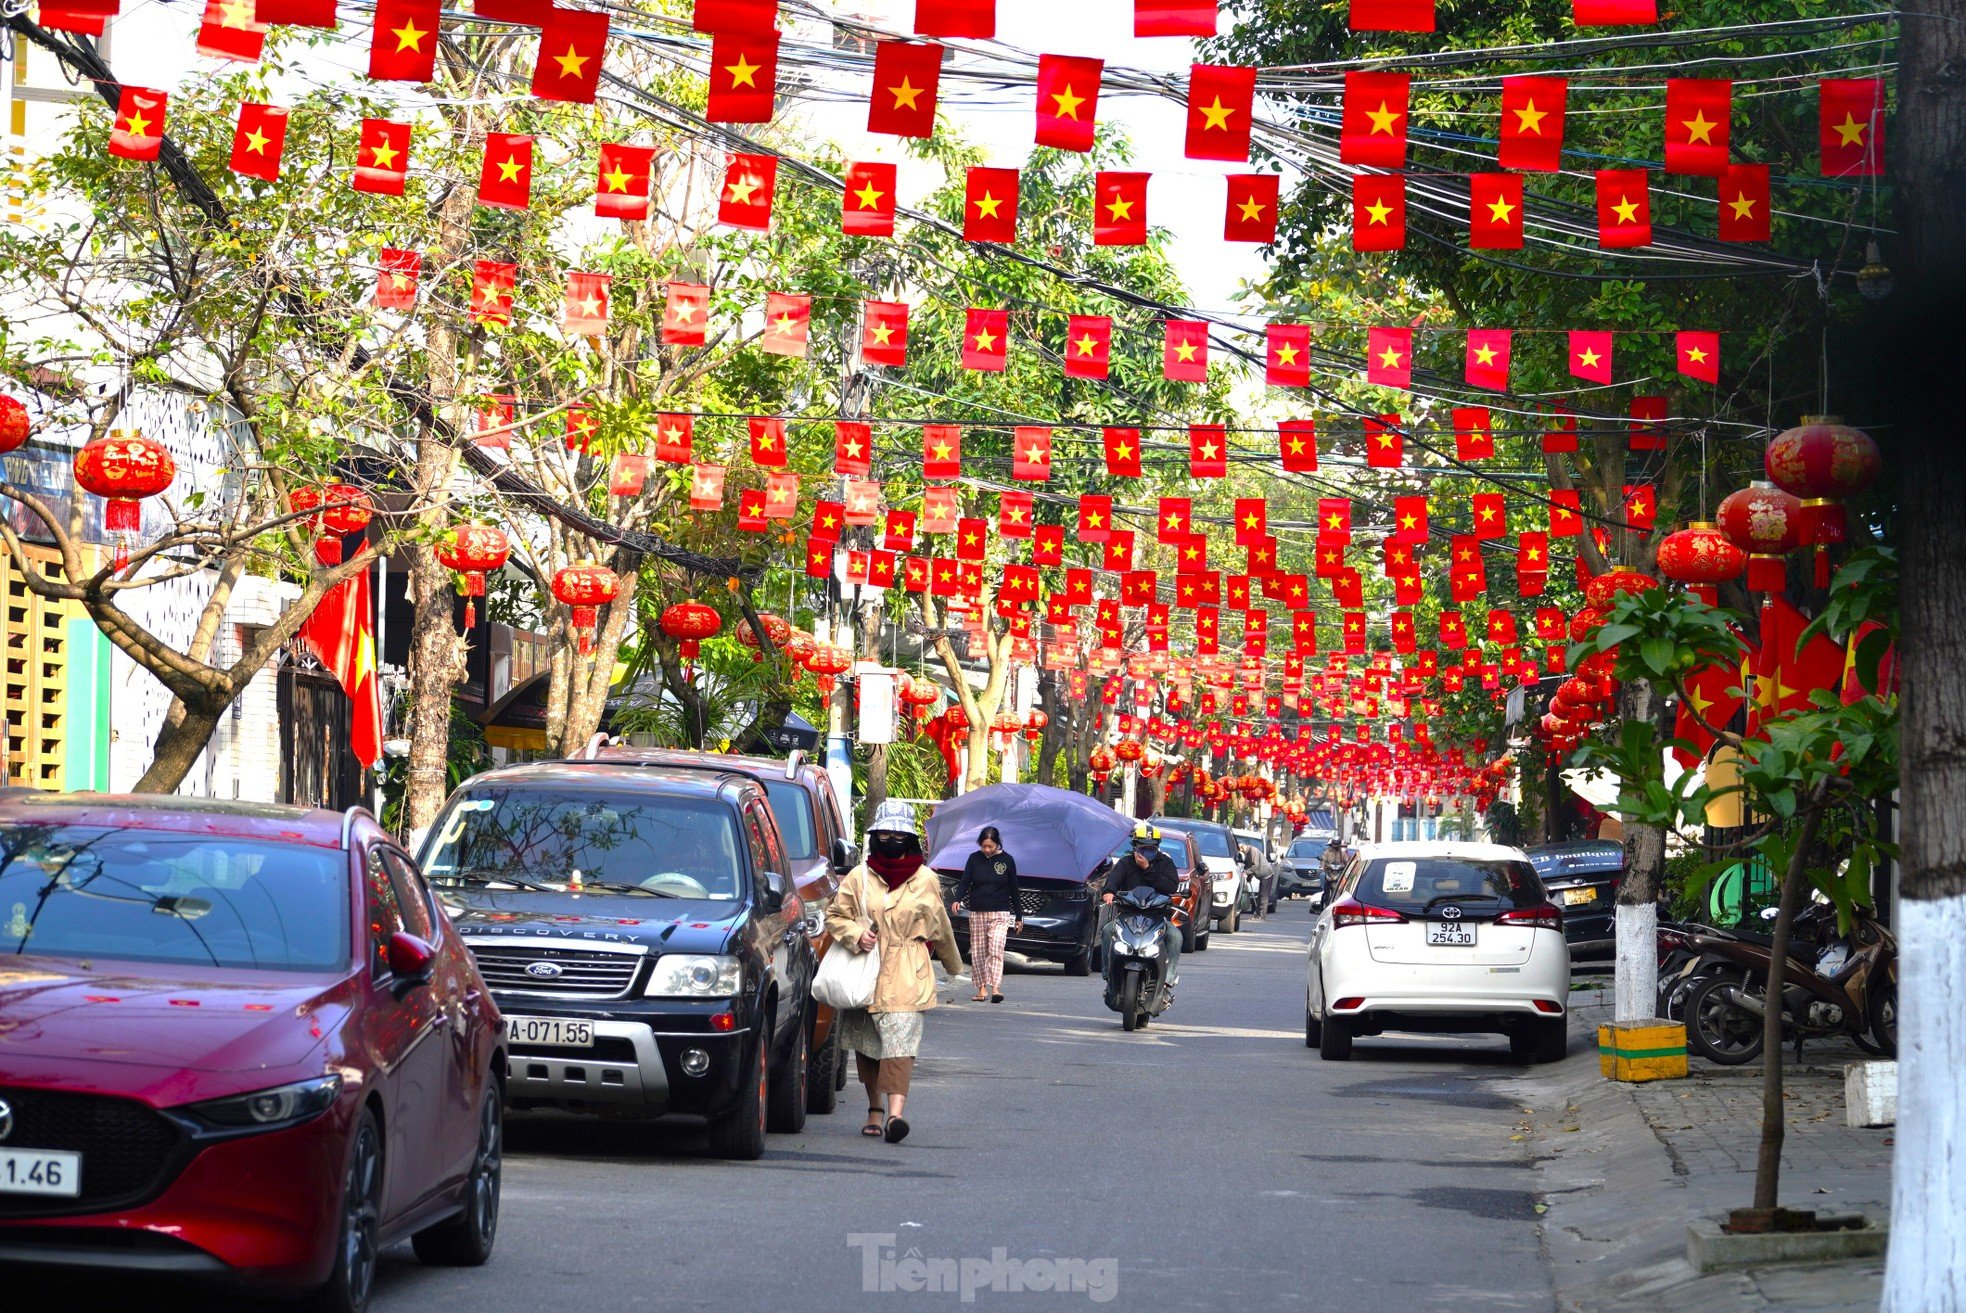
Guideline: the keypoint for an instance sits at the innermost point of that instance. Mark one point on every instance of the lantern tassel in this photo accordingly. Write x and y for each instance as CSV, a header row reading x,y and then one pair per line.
x,y
470,614
1822,565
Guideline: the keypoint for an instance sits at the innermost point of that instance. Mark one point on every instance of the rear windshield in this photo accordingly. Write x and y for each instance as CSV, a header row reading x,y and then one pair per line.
x,y
792,805
1412,884
72,891
1552,865
1213,843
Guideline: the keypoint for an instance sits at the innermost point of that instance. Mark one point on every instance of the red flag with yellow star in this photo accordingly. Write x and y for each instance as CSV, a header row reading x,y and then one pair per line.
x,y
1474,433
906,75
867,205
1378,212
1220,99
685,314
1590,354
1030,455
1297,445
675,438
1119,208
990,205
1184,353
942,451
984,347
586,312
396,277
1251,215
781,495
1488,358
1068,101
1372,128
621,181
505,175
1389,357
572,43
1850,118
1122,452
382,157
1698,113
976,19
788,321
294,13
745,201
403,40
1532,123
853,447
1088,346
1287,358
1712,698
1699,355
767,440
1745,213
341,632
1624,208
1385,441
1495,212
1208,451
138,133
884,333
1174,17
259,140
743,77
230,31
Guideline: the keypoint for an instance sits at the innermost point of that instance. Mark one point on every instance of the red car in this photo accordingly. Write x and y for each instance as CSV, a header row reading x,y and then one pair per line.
x,y
236,1040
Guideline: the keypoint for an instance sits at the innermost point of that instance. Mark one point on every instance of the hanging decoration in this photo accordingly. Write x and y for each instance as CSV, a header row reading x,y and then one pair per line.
x,y
124,467
690,622
585,588
1701,557
1825,463
340,510
472,551
16,425
777,630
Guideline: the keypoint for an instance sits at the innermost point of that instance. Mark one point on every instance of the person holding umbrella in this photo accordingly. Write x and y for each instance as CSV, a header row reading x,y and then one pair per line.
x,y
988,891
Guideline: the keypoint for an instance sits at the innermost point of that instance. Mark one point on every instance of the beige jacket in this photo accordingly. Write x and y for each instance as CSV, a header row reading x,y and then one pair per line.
x,y
912,925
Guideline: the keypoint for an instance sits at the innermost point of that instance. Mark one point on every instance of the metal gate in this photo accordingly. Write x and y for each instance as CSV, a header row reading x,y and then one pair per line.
x,y
317,768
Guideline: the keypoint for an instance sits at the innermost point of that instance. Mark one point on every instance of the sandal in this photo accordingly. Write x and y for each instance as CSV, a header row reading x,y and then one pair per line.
x,y
996,998
979,998
897,1129
870,1129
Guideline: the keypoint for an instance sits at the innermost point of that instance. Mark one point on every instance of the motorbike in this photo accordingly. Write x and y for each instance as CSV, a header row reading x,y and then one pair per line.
x,y
1135,960
1833,985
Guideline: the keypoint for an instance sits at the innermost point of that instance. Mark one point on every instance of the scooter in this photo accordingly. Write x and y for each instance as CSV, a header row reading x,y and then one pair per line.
x,y
1136,965
1848,985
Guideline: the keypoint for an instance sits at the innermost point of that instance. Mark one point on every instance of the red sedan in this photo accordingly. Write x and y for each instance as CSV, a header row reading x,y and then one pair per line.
x,y
236,1040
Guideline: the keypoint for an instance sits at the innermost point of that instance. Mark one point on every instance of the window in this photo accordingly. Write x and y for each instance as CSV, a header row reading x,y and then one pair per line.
x,y
411,897
385,909
792,805
1212,842
1415,884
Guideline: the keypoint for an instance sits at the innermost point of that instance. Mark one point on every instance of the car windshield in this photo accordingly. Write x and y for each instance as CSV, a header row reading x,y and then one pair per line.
x,y
1412,884
152,896
792,805
1307,847
1212,842
529,836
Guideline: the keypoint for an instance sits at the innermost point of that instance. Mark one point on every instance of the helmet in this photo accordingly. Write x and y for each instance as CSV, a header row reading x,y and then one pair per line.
x,y
895,817
1146,835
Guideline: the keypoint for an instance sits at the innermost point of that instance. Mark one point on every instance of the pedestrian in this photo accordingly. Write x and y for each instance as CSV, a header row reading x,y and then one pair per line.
x,y
989,892
892,901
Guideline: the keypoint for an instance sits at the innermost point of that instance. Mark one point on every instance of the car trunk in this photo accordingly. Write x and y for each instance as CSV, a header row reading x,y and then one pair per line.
x,y
1495,944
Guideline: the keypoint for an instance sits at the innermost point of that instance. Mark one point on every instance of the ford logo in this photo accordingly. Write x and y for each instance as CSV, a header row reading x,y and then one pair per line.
x,y
1451,912
543,970
6,1119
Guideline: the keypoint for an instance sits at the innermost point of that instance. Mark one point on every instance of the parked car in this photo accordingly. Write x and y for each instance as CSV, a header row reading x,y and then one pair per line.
x,y
1583,879
237,1041
1219,853
1302,868
820,854
638,927
1194,896
1439,936
1260,891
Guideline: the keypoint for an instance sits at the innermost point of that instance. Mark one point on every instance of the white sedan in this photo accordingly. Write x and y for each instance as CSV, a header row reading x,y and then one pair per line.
x,y
1444,937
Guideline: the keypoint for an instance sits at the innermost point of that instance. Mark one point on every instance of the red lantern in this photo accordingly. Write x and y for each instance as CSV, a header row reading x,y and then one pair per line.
x,y
956,718
690,623
586,587
1766,523
1586,622
1700,556
1005,725
15,424
1034,724
1824,462
828,661
920,695
125,467
473,551
341,510
1604,589
776,628
799,648
1101,761
1129,750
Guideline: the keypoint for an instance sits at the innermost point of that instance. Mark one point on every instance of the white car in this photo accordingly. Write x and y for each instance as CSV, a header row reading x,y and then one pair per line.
x,y
1218,853
1445,937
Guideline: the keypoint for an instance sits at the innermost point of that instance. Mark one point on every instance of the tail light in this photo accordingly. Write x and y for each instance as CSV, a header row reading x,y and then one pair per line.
x,y
1547,916
1549,1008
1353,912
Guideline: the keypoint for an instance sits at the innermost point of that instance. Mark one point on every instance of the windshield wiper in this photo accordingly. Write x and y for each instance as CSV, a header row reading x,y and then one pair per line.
x,y
487,876
609,886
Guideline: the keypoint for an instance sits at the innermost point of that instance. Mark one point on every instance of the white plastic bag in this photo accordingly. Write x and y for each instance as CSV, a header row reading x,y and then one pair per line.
x,y
846,979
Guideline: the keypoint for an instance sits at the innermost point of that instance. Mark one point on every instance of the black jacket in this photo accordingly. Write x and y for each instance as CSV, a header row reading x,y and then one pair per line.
x,y
1125,874
989,884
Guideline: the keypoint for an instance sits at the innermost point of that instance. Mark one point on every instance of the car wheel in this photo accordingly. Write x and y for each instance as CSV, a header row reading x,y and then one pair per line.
x,y
740,1133
822,1089
1552,1040
786,1107
1190,941
1312,1030
466,1240
353,1279
1079,964
1202,938
1335,1039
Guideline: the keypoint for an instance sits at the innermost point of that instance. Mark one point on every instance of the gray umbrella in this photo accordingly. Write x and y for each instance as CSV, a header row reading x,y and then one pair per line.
x,y
1049,832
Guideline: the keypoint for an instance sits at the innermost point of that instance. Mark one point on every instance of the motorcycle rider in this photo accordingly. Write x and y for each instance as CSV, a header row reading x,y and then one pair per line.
x,y
1146,865
1331,864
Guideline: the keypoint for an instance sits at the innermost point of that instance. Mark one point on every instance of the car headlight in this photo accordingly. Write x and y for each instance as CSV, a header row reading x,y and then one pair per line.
x,y
268,1110
693,975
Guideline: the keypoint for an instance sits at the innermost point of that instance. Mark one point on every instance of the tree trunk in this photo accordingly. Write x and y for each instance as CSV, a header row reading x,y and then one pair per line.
x,y
874,780
591,678
1926,1272
1636,986
1774,1117
183,736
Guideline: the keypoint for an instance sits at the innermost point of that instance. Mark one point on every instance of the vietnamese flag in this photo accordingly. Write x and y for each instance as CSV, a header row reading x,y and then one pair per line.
x,y
1389,357
258,141
1392,16
898,531
745,201
341,633
1495,212
1252,211
1208,451
1474,433
984,334
1372,129
716,16
396,278
1119,209
1561,437
1713,697
491,291
505,173
1614,13
685,314
1532,123
138,132
1030,453
767,440
1171,524
939,510
572,43
1624,208
743,77
884,333
706,488
1068,101
1184,351
964,18
1088,346
403,40
675,439
942,449
853,447
1174,17
781,495
231,31
1048,544
788,322
586,312
1095,517
990,205
906,74
1297,445
1122,452
1590,355
292,13
1488,358
867,206
1699,355
1119,551
1385,444
1850,127
621,182
382,157
1378,212
751,510
1566,513
1252,519
86,20
1410,519
1287,355
1490,515
1220,101
1745,213
1698,113
1646,433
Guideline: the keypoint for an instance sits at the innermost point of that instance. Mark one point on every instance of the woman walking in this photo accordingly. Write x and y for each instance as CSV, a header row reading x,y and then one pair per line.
x,y
892,901
989,892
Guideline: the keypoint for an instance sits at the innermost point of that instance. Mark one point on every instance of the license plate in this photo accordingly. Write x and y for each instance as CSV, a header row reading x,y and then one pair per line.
x,y
551,1032
1451,934
37,1171
1572,897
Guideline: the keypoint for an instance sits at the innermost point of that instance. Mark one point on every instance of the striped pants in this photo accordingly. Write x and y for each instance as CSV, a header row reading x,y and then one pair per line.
x,y
987,932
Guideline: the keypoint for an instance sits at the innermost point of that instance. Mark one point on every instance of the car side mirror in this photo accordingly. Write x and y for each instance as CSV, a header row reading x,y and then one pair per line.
x,y
774,891
846,856
411,960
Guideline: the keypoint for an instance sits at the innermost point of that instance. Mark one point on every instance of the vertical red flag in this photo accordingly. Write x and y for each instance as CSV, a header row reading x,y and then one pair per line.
x,y
1119,208
1566,513
258,141
1068,101
382,157
1624,208
1095,518
1699,355
1287,355
853,447
1495,212
1088,346
1389,357
403,40
1385,442
1590,355
751,510
940,510
942,451
1490,515
685,314
1561,436
1174,17
1372,129
1745,212
867,206
1532,123
749,180
884,333
1252,210
1488,358
675,439
492,282
743,77
90,21
587,304
1698,114
572,43
1297,445
781,495
706,488
1122,452
965,18
788,323
990,205
898,531
1220,100
1392,16
1208,451
1410,519
621,181
138,132
1184,351
341,632
294,13
715,16
1850,119
1014,515
1378,212
230,30
396,277
1252,523
906,75
1474,433
984,334
1614,13
1030,453
1646,432
505,173
767,440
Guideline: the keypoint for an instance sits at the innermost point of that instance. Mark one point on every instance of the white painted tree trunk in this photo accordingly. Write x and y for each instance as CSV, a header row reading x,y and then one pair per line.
x,y
1926,1272
1635,996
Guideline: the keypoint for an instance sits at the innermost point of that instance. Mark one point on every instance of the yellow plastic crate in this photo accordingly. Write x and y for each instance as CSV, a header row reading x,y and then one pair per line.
x,y
1653,1049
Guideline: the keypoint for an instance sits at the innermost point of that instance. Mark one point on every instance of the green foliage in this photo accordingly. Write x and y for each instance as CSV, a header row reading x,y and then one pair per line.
x,y
466,755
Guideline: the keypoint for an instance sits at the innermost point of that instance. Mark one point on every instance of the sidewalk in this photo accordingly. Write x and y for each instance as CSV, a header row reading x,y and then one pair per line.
x,y
1626,1167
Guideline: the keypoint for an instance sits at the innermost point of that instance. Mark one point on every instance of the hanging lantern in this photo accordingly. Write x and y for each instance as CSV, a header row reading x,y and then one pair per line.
x,y
690,623
799,647
1766,523
1101,761
1824,462
1034,724
586,587
15,424
1129,750
124,467
341,510
472,551
1005,725
1586,622
828,661
1604,589
1701,556
1150,768
776,628
920,695
956,718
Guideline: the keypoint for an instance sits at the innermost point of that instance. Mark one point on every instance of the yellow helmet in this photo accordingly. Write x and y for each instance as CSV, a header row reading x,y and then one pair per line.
x,y
1146,835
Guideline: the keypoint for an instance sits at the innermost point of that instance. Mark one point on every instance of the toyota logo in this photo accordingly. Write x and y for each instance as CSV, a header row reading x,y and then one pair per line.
x,y
543,970
6,1119
1451,912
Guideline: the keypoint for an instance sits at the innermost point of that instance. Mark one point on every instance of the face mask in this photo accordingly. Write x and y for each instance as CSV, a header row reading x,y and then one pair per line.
x,y
890,845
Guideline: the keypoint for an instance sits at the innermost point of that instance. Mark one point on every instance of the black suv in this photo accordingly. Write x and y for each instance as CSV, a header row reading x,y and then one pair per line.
x,y
1583,879
639,931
